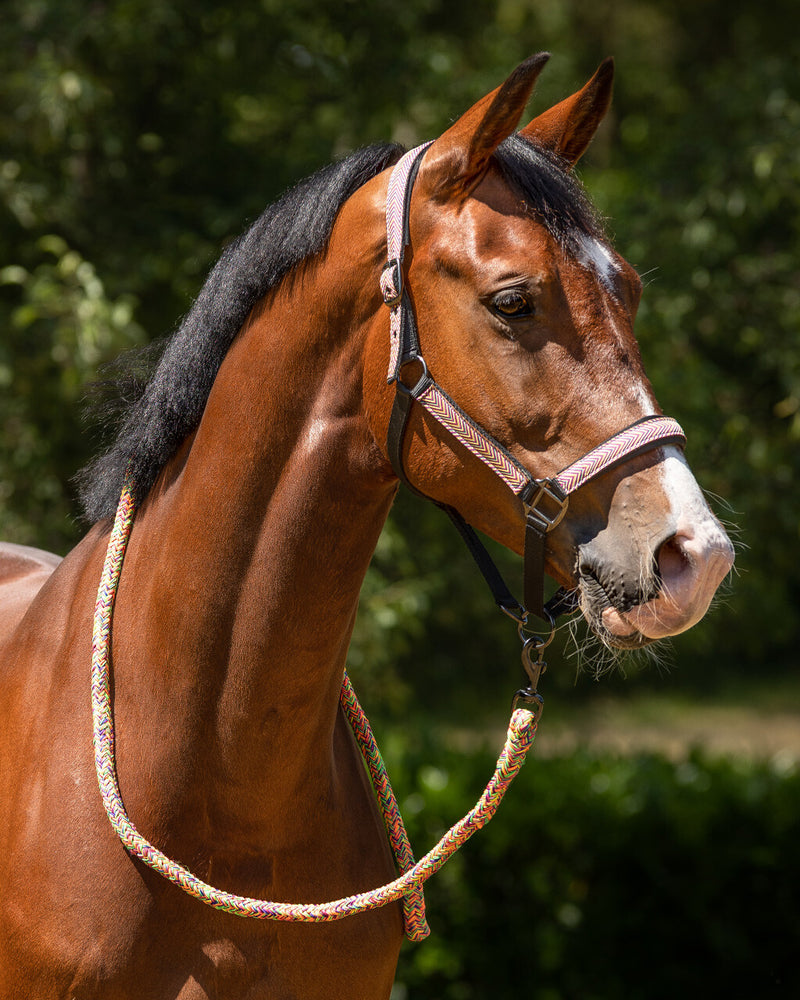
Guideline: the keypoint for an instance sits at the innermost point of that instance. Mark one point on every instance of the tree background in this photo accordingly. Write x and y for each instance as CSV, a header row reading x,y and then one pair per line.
x,y
138,136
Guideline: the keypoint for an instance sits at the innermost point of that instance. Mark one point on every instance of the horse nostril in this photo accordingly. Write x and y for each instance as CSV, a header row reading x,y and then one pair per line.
x,y
674,557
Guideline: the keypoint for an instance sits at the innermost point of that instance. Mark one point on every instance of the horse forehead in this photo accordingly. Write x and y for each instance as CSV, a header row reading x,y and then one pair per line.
x,y
598,256
496,235
495,246
481,232
494,223
489,232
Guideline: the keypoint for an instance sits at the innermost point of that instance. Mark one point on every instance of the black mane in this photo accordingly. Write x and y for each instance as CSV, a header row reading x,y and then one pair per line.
x,y
162,407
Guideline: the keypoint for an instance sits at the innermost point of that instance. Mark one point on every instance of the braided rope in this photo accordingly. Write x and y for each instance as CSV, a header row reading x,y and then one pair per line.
x,y
521,731
416,923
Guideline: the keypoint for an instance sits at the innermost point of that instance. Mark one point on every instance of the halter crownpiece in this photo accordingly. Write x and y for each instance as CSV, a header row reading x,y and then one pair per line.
x,y
545,500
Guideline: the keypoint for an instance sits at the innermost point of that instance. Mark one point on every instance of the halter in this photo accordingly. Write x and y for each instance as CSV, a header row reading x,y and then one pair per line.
x,y
545,501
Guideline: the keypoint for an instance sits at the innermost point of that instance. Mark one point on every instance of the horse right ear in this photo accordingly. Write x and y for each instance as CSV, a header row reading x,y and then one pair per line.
x,y
459,158
569,127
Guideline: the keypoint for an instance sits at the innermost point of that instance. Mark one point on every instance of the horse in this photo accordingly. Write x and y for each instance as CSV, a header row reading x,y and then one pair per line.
x,y
261,473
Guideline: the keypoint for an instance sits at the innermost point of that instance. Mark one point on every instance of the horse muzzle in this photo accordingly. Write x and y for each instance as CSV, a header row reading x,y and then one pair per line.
x,y
633,594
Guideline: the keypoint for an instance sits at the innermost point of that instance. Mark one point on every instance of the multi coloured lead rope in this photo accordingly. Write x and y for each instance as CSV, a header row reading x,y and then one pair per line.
x,y
408,886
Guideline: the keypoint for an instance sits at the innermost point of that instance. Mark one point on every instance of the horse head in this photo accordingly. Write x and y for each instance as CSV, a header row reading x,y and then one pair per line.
x,y
525,318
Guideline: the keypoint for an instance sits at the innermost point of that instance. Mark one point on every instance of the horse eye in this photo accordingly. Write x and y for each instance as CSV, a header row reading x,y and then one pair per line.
x,y
511,304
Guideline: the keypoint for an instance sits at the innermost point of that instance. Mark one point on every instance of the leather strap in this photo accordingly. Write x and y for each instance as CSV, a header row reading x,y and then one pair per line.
x,y
401,411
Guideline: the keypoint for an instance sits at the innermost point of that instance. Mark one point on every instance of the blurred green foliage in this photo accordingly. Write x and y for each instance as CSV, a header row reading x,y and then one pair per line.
x,y
138,136
607,878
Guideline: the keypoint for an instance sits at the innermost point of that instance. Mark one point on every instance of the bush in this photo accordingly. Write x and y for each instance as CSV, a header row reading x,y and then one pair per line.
x,y
604,877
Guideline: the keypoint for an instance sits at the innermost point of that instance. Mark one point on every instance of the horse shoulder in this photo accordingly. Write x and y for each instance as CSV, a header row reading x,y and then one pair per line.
x,y
48,803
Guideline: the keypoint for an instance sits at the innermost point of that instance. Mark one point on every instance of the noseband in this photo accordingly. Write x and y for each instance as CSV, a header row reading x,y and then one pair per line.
x,y
544,501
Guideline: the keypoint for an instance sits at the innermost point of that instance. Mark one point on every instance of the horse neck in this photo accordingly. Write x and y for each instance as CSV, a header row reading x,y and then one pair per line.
x,y
249,554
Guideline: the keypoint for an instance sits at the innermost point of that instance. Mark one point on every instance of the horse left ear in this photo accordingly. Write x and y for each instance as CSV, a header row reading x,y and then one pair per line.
x,y
459,157
569,127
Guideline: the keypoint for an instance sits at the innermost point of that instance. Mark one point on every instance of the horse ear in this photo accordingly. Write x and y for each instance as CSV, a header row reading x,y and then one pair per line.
x,y
569,127
460,156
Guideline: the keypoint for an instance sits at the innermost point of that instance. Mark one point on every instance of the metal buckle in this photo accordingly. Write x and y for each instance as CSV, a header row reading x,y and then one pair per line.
x,y
516,613
551,492
394,292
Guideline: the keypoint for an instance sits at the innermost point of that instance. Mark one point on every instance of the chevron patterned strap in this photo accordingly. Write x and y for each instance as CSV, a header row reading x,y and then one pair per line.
x,y
442,409
392,275
648,433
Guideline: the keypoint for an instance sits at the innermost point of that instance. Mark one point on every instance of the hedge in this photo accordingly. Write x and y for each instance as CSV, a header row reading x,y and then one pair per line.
x,y
606,877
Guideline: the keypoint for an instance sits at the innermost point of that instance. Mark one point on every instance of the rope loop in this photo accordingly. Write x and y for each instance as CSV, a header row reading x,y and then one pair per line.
x,y
407,886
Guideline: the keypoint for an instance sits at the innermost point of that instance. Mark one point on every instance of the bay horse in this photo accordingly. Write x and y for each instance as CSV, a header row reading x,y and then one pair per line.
x,y
262,476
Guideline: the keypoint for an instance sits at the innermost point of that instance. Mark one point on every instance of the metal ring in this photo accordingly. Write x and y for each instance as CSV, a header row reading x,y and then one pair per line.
x,y
531,636
420,383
